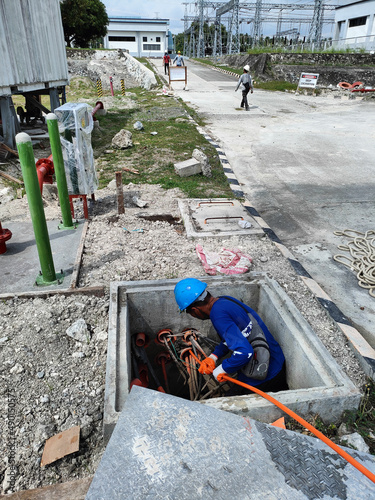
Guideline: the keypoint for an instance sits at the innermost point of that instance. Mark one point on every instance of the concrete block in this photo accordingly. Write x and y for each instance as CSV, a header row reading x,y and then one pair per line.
x,y
188,167
317,384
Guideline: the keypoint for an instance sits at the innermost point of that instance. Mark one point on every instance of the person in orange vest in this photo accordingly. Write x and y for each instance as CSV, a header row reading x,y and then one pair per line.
x,y
166,61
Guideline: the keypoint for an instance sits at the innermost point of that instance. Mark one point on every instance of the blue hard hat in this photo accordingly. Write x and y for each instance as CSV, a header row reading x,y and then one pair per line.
x,y
187,291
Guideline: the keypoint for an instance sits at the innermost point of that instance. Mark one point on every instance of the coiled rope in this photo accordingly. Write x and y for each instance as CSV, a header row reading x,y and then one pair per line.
x,y
362,256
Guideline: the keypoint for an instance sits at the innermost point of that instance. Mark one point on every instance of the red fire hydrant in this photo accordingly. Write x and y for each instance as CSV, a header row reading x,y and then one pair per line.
x,y
45,170
5,235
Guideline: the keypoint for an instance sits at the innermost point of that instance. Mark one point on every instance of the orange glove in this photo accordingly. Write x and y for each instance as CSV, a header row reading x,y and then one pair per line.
x,y
219,373
208,365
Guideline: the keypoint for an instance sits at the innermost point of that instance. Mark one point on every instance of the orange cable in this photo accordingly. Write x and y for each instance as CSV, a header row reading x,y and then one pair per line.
x,y
303,422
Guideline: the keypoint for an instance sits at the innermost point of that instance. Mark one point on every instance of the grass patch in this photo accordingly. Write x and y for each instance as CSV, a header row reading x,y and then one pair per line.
x,y
274,85
361,421
152,155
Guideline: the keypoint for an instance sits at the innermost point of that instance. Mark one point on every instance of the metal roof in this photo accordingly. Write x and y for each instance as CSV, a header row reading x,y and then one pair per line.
x,y
32,46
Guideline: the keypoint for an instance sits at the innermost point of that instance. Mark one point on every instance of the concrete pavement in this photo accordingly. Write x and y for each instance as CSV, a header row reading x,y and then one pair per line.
x,y
307,165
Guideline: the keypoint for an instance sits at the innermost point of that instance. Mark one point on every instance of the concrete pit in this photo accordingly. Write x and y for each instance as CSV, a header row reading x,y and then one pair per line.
x,y
317,384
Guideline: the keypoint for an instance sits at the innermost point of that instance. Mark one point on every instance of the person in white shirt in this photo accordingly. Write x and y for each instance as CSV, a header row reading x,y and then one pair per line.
x,y
247,85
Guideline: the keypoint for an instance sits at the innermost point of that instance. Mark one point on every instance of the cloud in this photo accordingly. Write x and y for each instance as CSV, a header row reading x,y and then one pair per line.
x,y
149,9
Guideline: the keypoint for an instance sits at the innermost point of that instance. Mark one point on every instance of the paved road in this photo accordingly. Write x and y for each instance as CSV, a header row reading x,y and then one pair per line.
x,y
307,165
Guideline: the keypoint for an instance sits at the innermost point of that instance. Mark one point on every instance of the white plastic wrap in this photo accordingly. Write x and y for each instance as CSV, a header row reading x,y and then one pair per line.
x,y
75,125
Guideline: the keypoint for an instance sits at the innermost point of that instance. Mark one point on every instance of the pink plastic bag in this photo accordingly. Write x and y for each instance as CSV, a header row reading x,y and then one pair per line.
x,y
225,261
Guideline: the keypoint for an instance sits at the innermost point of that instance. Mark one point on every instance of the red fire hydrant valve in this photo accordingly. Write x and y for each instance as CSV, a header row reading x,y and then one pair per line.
x,y
5,235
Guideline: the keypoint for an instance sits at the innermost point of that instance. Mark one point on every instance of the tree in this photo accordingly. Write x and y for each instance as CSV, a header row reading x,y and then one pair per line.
x,y
84,21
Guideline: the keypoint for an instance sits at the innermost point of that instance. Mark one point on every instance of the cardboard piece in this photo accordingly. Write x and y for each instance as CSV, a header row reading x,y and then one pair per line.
x,y
60,445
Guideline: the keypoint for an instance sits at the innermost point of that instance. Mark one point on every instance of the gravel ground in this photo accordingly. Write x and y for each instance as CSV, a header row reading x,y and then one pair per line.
x,y
51,381
57,381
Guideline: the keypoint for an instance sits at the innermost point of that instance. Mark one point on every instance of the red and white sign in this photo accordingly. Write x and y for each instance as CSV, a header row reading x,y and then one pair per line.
x,y
308,80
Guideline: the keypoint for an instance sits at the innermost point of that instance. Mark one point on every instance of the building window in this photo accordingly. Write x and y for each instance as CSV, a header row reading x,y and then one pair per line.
x,y
121,38
145,39
158,39
151,46
357,21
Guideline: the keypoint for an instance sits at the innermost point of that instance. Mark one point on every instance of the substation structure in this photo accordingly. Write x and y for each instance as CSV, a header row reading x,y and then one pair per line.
x,y
205,22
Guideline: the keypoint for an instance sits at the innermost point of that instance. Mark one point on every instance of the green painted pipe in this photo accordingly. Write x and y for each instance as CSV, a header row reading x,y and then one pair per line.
x,y
58,163
34,198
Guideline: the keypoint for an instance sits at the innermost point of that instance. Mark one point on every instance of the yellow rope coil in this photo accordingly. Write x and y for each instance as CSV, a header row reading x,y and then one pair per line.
x,y
361,248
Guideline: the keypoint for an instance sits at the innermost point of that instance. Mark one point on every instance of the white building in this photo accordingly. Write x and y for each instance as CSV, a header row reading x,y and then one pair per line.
x,y
355,25
141,37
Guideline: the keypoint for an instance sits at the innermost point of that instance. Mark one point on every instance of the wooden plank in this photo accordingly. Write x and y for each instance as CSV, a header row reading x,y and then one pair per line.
x,y
10,178
98,291
7,148
78,261
73,490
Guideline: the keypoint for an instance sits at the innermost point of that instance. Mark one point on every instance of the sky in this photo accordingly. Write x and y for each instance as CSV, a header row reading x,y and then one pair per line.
x,y
174,10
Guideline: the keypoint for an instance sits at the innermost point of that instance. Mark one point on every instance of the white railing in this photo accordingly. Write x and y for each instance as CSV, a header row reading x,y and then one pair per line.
x,y
360,43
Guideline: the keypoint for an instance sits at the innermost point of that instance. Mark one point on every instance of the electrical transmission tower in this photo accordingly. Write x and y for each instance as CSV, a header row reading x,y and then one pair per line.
x,y
201,44
315,33
186,29
236,28
257,21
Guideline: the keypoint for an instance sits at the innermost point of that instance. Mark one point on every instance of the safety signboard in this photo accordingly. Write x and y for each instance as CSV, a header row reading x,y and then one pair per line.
x,y
308,80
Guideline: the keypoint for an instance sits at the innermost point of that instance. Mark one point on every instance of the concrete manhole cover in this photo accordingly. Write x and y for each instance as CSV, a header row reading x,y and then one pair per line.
x,y
216,217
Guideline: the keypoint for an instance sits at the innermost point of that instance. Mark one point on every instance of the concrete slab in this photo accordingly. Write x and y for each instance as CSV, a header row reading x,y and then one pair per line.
x,y
165,447
216,217
21,263
317,384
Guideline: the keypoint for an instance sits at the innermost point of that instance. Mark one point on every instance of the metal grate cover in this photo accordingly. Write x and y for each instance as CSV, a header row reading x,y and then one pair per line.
x,y
167,448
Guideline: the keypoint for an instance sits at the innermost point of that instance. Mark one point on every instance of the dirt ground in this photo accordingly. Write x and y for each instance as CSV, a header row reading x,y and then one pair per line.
x,y
57,381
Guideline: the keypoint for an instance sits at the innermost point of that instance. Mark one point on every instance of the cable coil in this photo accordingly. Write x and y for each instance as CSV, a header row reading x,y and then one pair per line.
x,y
361,247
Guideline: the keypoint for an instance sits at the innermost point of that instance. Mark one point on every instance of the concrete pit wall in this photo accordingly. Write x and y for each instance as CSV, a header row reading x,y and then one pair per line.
x,y
317,384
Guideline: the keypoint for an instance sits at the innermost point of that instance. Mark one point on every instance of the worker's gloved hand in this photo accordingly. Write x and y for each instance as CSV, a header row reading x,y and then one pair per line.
x,y
219,373
208,365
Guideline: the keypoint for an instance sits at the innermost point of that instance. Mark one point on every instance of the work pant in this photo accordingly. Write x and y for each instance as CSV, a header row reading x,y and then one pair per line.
x,y
276,384
244,99
166,69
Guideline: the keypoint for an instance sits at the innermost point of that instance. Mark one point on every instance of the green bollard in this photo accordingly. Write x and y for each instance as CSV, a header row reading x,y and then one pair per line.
x,y
25,150
58,163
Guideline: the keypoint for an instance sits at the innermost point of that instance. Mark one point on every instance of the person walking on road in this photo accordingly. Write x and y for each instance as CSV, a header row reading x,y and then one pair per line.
x,y
166,61
246,84
179,60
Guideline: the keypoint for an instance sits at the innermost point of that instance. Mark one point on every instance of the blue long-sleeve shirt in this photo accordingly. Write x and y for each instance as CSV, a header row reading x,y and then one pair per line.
x,y
233,325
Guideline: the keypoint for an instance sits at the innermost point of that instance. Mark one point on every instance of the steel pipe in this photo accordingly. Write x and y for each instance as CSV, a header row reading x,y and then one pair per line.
x,y
34,198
